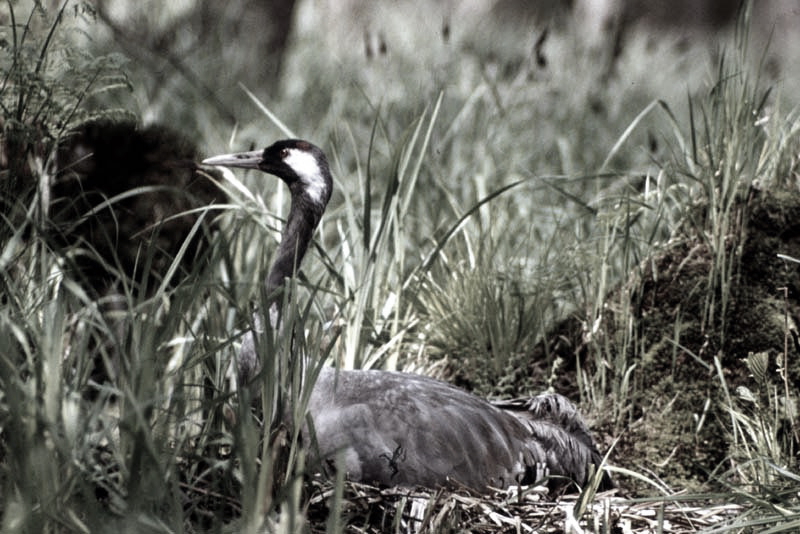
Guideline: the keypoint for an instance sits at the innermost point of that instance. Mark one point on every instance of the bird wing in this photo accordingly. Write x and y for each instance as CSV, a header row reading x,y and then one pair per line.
x,y
405,429
555,423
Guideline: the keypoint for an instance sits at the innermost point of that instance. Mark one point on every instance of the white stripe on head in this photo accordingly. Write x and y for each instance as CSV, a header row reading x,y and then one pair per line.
x,y
307,169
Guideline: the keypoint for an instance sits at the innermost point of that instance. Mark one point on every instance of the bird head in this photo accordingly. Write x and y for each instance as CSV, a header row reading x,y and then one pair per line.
x,y
300,164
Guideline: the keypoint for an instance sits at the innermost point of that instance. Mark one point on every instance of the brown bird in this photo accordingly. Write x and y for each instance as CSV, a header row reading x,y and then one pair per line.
x,y
399,428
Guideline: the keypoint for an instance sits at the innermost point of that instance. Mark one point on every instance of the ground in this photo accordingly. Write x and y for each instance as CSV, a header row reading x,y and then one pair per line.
x,y
677,425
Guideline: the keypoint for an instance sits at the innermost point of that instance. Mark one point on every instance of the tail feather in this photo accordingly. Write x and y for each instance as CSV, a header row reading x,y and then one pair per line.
x,y
559,435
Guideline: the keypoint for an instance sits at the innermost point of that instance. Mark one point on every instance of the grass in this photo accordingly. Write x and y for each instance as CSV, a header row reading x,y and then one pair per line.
x,y
475,208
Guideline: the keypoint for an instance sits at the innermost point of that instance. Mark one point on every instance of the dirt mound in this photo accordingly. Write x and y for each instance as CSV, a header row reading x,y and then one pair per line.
x,y
688,336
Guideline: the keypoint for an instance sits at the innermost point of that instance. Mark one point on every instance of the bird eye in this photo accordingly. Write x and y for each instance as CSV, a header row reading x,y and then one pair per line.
x,y
284,153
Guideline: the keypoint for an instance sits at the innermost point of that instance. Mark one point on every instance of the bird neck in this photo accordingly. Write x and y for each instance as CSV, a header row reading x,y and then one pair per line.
x,y
304,215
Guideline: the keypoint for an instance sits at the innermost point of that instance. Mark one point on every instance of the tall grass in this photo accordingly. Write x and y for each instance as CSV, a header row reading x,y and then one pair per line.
x,y
734,142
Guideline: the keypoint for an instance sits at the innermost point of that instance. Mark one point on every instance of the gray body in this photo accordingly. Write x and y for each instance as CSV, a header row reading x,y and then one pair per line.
x,y
393,428
405,429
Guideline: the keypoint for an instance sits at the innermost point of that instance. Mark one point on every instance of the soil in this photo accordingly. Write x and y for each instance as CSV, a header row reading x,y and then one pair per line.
x,y
677,320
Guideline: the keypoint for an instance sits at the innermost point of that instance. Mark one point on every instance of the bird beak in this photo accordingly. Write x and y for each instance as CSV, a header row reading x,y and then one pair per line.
x,y
244,160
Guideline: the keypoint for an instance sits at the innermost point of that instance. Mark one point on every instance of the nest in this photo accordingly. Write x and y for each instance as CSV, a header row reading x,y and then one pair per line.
x,y
367,509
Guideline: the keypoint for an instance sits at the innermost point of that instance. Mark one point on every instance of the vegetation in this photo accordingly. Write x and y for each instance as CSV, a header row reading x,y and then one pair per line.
x,y
579,224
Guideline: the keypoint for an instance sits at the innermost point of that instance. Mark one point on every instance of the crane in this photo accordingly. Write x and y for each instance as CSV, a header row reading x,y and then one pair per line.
x,y
394,428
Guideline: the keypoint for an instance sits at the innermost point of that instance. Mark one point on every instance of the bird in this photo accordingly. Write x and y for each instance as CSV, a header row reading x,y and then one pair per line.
x,y
392,428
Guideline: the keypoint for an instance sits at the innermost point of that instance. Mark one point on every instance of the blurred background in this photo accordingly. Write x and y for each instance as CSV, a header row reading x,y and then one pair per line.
x,y
304,58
